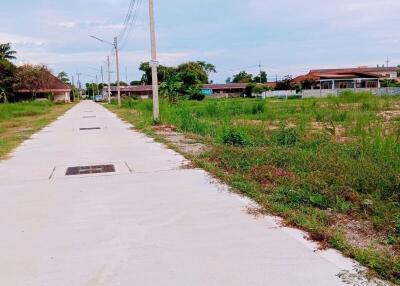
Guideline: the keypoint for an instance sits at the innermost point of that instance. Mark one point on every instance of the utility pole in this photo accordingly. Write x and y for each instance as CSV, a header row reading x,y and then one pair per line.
x,y
73,86
79,85
260,71
97,86
154,63
109,79
387,62
126,75
117,62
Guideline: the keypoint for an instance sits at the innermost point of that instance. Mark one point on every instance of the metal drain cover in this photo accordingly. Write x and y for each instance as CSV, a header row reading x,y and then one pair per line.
x,y
89,116
87,170
90,128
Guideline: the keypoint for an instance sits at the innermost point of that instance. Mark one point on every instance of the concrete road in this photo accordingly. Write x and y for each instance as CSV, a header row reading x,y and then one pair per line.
x,y
151,222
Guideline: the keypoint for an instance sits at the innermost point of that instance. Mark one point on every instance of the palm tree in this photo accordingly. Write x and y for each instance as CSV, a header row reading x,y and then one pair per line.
x,y
6,53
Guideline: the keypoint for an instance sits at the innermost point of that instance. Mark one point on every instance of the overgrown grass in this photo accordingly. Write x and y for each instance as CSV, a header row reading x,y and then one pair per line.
x,y
18,121
310,161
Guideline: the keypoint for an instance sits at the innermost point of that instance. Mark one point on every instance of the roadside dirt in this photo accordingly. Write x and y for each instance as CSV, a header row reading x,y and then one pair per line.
x,y
181,142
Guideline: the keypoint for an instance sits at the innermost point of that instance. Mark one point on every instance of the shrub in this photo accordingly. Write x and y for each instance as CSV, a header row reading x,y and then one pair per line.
x,y
258,107
287,136
234,137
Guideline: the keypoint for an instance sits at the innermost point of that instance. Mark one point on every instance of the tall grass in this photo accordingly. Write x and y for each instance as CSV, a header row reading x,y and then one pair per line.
x,y
306,160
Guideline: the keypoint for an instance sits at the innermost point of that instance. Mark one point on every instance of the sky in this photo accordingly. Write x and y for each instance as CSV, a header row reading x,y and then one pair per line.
x,y
287,37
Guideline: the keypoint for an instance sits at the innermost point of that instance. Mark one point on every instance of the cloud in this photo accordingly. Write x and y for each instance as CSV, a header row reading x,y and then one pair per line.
x,y
22,40
89,24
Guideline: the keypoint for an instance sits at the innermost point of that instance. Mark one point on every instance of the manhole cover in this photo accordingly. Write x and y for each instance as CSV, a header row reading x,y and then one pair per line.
x,y
87,170
90,128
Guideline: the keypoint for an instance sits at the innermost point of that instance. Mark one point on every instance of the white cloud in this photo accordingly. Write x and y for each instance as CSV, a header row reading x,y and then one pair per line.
x,y
22,40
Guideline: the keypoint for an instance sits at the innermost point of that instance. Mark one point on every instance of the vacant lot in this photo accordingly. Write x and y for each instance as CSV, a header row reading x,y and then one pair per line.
x,y
18,121
329,166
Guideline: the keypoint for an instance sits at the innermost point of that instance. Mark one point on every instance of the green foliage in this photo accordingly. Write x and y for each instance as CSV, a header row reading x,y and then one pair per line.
x,y
63,76
6,53
285,84
242,77
287,136
234,137
171,89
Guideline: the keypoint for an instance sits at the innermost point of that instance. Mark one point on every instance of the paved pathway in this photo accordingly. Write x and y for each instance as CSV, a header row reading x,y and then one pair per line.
x,y
149,223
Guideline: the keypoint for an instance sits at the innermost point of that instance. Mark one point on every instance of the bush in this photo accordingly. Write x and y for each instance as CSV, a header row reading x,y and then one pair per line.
x,y
287,136
234,137
258,107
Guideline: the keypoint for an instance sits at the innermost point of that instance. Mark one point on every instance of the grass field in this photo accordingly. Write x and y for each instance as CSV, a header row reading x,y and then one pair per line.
x,y
328,166
18,121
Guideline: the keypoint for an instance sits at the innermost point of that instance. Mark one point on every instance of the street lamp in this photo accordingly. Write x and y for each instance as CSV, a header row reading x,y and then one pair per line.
x,y
115,45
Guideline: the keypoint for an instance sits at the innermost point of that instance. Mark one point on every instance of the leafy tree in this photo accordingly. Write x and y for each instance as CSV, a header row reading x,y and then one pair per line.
x,y
7,78
261,78
163,72
6,53
192,73
32,78
308,83
228,80
63,76
285,84
254,88
242,77
208,68
171,88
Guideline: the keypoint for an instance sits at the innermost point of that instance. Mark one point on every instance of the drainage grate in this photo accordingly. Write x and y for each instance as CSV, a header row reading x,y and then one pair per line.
x,y
89,116
90,128
87,170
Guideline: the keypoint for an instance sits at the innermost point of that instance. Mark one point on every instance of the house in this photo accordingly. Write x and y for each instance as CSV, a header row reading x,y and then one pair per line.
x,y
215,90
361,77
52,87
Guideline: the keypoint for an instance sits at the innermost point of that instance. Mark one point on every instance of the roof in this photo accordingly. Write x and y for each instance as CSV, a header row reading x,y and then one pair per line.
x,y
338,74
132,88
53,84
360,69
227,86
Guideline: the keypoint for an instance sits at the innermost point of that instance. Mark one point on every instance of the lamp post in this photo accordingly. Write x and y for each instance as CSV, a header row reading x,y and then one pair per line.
x,y
115,45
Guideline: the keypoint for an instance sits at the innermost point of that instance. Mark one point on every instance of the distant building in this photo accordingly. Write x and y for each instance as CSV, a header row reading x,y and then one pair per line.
x,y
362,77
54,87
215,90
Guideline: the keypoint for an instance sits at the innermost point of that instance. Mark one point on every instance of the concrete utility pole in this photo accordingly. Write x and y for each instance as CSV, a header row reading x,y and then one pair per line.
x,y
117,63
154,63
115,45
109,79
126,75
79,85
260,71
387,62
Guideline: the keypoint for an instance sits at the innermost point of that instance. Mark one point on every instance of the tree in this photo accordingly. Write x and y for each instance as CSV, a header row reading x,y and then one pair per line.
x,y
192,73
7,78
261,78
208,68
32,78
228,80
242,77
285,84
63,76
6,53
163,72
171,88
194,93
